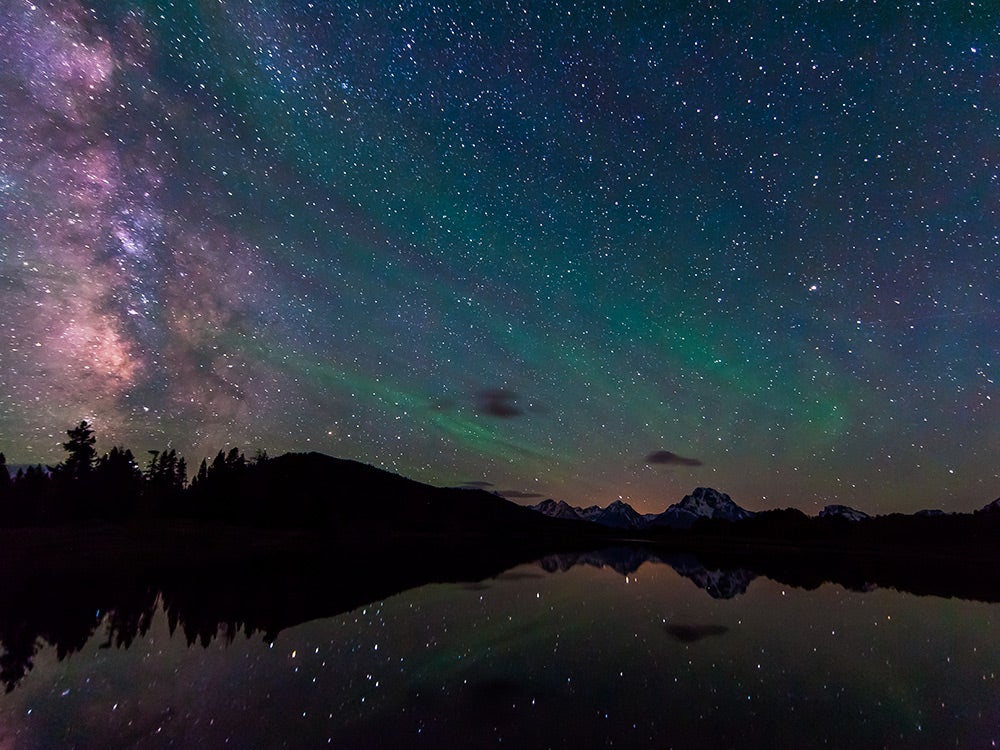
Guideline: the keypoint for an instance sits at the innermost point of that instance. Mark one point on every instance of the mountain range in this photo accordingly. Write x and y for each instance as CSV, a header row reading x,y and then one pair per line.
x,y
704,502
352,501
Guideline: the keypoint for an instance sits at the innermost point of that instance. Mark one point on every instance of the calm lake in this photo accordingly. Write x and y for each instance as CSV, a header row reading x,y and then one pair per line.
x,y
548,654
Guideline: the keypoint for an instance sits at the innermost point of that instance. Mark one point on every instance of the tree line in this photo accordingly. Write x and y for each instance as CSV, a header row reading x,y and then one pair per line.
x,y
113,487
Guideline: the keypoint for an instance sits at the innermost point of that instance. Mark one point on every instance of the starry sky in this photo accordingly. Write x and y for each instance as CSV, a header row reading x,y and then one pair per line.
x,y
556,249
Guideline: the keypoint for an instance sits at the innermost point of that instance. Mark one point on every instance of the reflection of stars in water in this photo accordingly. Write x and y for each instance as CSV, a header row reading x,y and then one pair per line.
x,y
461,665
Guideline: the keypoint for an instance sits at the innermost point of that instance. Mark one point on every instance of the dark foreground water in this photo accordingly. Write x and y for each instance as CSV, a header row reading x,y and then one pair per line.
x,y
582,656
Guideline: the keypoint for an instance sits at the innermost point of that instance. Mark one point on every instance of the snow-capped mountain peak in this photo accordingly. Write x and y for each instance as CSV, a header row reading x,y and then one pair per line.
x,y
560,509
621,515
843,511
618,515
704,502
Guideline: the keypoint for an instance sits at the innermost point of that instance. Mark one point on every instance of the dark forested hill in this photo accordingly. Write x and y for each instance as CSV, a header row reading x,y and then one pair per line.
x,y
312,489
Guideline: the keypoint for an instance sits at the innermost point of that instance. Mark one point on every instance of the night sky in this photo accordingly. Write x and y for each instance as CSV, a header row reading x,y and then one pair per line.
x,y
566,250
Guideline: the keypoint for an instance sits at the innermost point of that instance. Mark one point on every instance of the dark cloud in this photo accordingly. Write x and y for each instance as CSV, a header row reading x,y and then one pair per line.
x,y
476,484
517,494
670,459
499,402
695,633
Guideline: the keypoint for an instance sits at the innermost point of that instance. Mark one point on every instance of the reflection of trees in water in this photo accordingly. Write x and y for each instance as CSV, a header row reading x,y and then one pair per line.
x,y
254,596
263,596
66,618
67,622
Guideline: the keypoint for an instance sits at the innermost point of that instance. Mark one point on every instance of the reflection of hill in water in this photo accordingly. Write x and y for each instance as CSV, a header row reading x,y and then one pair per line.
x,y
243,586
231,589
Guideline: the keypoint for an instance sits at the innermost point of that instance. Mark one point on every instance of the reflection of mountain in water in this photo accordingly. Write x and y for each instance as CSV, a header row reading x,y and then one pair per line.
x,y
265,595
718,583
238,588
622,559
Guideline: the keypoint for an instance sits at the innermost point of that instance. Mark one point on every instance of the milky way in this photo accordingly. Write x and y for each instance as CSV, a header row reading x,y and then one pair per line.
x,y
562,249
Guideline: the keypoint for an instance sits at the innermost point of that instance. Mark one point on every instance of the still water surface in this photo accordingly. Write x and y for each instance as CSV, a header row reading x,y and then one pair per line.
x,y
582,656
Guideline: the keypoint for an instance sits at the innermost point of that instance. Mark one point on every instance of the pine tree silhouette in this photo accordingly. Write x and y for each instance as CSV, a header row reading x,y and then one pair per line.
x,y
6,493
82,455
117,484
74,497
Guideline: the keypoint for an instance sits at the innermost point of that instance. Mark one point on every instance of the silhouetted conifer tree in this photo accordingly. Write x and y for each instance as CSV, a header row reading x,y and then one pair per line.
x,y
80,462
167,470
202,474
218,467
235,459
32,498
72,495
218,487
166,477
6,493
75,496
118,484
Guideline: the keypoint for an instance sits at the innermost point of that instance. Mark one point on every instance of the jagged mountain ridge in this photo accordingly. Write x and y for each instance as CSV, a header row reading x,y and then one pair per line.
x,y
618,515
554,509
704,502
